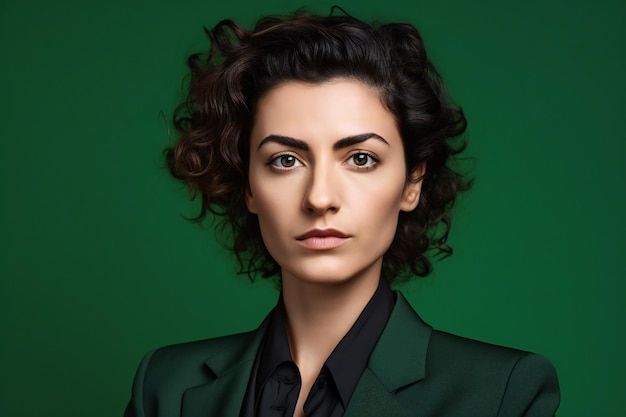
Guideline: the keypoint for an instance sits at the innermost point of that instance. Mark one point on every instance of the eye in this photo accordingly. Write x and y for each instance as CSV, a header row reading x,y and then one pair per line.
x,y
285,162
362,160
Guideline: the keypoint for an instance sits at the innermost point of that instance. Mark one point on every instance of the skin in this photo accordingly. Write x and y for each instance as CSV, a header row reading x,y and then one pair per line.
x,y
326,156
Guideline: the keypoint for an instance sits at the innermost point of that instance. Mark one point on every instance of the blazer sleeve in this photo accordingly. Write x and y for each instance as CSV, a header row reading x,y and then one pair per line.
x,y
532,389
135,407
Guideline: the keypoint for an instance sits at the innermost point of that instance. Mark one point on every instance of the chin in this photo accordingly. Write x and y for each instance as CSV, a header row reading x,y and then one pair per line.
x,y
327,274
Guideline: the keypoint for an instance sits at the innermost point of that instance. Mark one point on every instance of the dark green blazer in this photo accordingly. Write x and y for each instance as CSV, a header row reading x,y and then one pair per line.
x,y
413,371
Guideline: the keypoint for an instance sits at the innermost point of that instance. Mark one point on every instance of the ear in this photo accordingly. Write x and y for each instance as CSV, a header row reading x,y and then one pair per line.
x,y
413,188
250,202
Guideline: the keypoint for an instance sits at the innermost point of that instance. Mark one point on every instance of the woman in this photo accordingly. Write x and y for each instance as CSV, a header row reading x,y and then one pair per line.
x,y
325,144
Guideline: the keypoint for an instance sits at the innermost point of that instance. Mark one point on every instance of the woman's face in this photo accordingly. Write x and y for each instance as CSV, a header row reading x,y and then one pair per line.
x,y
327,179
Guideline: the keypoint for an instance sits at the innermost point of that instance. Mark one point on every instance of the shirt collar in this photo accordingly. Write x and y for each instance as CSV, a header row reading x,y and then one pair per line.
x,y
275,348
348,360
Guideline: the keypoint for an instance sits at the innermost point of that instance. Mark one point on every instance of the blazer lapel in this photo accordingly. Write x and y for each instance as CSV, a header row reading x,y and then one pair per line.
x,y
231,363
372,399
397,362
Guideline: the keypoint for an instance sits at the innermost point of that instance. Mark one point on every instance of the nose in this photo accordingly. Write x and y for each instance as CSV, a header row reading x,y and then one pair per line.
x,y
322,193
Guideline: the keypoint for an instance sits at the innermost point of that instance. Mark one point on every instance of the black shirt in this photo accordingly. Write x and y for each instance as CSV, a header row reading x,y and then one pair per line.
x,y
275,380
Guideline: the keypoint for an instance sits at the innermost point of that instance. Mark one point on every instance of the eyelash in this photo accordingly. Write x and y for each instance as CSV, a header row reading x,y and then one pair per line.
x,y
273,162
372,161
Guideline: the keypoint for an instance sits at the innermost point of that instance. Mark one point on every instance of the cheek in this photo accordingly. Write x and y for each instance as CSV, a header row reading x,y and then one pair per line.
x,y
382,190
377,205
384,212
271,196
274,207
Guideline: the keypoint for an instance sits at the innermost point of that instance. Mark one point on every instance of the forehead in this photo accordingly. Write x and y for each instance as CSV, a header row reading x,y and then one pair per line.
x,y
333,109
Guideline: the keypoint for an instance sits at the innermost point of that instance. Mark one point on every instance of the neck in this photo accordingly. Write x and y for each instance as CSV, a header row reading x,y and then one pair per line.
x,y
320,314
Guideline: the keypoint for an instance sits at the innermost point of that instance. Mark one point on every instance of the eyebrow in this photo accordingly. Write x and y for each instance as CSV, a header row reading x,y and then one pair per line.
x,y
340,144
353,140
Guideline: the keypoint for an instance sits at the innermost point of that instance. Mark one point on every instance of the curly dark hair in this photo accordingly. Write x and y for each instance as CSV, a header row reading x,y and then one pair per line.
x,y
214,122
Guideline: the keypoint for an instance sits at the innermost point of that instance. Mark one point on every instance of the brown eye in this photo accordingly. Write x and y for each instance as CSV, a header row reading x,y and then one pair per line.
x,y
286,162
362,160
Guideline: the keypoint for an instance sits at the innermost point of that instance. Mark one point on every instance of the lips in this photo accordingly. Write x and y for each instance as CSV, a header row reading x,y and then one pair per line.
x,y
322,233
322,239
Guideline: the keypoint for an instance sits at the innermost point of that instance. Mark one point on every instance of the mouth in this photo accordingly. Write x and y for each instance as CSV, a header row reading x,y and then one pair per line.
x,y
322,239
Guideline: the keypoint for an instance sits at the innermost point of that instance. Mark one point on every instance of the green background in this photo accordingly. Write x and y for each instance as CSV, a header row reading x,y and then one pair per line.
x,y
98,266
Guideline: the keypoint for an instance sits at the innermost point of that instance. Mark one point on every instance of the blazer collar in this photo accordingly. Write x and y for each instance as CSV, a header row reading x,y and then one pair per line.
x,y
397,361
399,358
231,361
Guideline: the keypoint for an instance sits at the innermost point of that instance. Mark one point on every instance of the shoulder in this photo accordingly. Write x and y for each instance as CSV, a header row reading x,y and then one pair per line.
x,y
190,357
164,374
510,382
449,351
461,376
193,363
